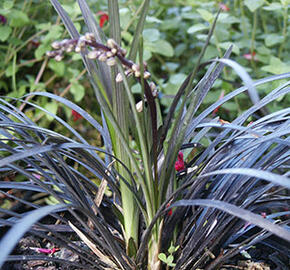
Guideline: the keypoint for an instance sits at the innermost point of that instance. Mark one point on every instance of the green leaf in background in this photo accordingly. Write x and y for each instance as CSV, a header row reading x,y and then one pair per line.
x,y
151,19
8,4
125,17
78,91
206,15
18,18
162,47
285,2
72,9
43,26
276,66
5,31
57,67
41,50
151,34
273,39
226,45
253,5
177,79
162,257
51,107
227,19
196,28
273,6
170,24
146,55
10,71
180,49
54,33
231,106
170,259
136,89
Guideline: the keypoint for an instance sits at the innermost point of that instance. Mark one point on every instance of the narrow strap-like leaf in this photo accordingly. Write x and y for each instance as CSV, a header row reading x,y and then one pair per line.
x,y
12,237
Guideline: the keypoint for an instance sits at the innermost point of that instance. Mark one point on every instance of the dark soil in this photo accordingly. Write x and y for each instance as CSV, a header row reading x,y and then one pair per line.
x,y
262,258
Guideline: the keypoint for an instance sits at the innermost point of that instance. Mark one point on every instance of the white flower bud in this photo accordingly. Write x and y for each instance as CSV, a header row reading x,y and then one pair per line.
x,y
152,86
153,89
123,51
128,72
112,43
109,54
111,61
56,45
114,51
89,36
139,106
119,78
102,57
58,57
78,49
137,74
135,67
69,48
50,53
147,75
82,42
64,42
93,54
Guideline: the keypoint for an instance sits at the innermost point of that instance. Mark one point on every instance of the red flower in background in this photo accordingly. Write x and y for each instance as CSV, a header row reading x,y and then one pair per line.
x,y
35,43
263,214
170,211
3,19
222,94
179,164
104,17
251,56
76,115
224,7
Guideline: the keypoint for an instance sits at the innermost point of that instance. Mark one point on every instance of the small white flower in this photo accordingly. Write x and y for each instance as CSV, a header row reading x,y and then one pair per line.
x,y
147,75
90,36
112,43
56,45
111,61
102,57
119,78
135,68
137,73
93,54
58,57
139,106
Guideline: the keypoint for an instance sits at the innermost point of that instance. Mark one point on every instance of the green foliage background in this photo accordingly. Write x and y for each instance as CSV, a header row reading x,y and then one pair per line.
x,y
174,34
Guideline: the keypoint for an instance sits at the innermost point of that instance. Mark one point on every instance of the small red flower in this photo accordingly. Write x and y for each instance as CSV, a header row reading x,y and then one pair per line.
x,y
35,43
45,250
224,7
179,164
104,17
3,19
251,56
76,115
170,211
220,97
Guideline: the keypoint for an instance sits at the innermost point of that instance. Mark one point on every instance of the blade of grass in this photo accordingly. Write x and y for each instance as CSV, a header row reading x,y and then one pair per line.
x,y
120,104
238,212
11,238
177,136
138,31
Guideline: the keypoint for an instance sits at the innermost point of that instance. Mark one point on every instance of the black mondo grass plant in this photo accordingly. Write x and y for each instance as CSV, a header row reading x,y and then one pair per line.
x,y
166,207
